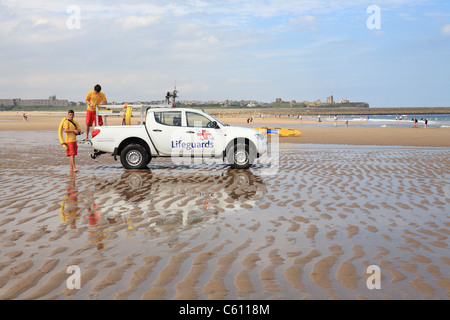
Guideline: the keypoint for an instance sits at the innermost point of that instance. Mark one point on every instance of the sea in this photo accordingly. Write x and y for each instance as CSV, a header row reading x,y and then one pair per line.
x,y
434,120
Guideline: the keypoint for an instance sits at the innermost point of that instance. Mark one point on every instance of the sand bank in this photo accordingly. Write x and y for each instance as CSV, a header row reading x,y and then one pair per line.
x,y
326,133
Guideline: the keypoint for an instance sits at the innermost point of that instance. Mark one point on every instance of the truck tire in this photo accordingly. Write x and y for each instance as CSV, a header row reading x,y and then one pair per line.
x,y
241,156
134,156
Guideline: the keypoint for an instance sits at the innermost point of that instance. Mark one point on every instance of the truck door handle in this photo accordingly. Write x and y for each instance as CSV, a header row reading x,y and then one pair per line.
x,y
190,131
157,130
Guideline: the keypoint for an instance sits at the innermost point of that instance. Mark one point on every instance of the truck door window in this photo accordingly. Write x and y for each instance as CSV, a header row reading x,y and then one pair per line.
x,y
197,120
169,118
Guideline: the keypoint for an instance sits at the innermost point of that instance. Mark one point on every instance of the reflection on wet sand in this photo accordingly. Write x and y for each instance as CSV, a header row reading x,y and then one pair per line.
x,y
69,210
163,202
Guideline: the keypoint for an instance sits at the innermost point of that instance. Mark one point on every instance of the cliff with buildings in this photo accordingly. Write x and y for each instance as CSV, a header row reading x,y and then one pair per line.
x,y
50,102
328,104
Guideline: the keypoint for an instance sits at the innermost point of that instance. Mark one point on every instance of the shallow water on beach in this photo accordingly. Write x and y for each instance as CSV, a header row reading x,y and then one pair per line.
x,y
306,228
379,121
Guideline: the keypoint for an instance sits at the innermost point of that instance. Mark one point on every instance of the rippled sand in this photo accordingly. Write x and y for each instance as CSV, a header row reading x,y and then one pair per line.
x,y
307,231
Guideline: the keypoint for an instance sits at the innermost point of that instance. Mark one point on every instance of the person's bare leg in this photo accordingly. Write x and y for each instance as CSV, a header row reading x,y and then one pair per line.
x,y
73,168
88,128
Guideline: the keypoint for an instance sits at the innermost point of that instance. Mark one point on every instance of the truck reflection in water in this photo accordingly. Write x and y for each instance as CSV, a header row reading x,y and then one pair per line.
x,y
165,201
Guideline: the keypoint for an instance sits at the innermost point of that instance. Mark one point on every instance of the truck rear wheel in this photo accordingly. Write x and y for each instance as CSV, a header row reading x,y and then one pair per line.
x,y
241,156
134,156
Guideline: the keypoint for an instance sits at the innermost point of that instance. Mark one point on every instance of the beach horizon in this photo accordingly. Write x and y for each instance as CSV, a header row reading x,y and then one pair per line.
x,y
312,131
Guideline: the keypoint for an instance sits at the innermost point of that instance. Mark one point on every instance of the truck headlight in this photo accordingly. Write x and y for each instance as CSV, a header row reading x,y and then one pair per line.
x,y
259,136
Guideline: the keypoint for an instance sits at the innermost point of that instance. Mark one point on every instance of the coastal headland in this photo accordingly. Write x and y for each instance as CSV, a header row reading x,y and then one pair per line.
x,y
328,111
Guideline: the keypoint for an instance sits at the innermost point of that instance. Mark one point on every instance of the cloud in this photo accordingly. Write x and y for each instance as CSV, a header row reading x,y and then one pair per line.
x,y
133,22
446,30
212,48
303,20
304,23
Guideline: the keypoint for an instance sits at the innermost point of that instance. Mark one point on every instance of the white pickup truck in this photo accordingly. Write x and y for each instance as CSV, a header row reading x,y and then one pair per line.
x,y
177,132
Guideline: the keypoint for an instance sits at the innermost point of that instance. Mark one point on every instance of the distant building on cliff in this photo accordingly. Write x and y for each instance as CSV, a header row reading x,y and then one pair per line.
x,y
50,102
330,99
329,103
6,102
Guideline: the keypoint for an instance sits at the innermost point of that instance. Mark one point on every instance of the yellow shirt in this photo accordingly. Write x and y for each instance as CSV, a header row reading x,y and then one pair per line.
x,y
95,98
70,136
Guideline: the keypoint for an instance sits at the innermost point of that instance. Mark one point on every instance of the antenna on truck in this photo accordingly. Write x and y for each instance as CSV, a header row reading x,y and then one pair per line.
x,y
173,95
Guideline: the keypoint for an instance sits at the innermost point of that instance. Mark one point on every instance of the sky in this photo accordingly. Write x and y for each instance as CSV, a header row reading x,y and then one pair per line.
x,y
392,53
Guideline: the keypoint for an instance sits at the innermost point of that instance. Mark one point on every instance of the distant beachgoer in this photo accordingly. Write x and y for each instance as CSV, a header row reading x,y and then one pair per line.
x,y
319,118
25,117
94,97
425,122
416,123
71,129
346,123
335,120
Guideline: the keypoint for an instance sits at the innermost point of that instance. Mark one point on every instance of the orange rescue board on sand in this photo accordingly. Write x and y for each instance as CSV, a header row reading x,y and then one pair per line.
x,y
282,132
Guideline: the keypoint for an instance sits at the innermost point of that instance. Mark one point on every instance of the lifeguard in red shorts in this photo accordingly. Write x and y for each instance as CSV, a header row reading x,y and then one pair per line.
x,y
93,98
71,129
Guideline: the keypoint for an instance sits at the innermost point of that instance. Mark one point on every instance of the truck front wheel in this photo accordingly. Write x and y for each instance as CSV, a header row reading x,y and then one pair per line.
x,y
241,156
134,156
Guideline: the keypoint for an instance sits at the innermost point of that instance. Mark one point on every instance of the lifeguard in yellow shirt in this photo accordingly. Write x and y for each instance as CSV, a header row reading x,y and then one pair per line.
x,y
93,98
71,129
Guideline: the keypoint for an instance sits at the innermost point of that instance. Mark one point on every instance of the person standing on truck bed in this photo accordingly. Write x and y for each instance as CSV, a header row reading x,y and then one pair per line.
x,y
93,98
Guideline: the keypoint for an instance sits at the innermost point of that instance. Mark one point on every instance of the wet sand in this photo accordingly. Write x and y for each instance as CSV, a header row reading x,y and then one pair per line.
x,y
302,225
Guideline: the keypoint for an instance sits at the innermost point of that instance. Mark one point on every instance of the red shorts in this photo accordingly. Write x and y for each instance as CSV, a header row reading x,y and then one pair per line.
x,y
91,118
72,149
